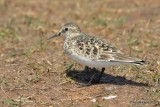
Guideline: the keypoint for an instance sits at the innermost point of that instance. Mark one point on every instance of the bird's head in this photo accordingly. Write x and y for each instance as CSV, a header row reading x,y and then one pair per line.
x,y
69,30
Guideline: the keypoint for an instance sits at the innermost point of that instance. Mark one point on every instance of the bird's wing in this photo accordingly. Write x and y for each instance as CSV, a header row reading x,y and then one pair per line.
x,y
119,57
100,50
114,55
93,47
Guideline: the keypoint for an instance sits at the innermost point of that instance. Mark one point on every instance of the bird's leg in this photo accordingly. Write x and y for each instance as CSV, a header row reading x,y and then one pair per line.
x,y
91,80
86,69
100,75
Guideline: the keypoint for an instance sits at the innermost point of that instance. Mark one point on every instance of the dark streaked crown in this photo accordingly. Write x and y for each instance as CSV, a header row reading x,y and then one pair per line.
x,y
72,26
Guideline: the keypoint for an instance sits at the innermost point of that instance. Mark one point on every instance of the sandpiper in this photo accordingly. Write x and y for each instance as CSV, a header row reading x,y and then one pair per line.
x,y
92,51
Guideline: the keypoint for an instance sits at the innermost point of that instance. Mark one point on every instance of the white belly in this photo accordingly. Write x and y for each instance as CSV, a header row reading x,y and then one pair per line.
x,y
92,63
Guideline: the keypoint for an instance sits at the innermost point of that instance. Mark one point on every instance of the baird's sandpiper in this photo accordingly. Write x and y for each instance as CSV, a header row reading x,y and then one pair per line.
x,y
92,51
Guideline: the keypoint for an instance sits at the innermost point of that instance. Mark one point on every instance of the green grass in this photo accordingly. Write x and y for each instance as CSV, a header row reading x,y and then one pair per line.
x,y
42,40
33,21
101,22
10,103
152,44
116,22
9,32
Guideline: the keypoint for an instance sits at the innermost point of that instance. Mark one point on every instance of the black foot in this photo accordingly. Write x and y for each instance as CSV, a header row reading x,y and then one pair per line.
x,y
89,83
92,78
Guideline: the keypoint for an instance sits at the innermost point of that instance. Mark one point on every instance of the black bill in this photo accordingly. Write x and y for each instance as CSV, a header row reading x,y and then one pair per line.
x,y
56,35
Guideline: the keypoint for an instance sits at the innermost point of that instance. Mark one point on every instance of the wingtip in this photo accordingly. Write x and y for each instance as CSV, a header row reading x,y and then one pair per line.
x,y
142,62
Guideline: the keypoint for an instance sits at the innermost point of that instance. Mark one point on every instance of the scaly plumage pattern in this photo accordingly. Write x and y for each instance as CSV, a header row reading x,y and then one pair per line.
x,y
91,50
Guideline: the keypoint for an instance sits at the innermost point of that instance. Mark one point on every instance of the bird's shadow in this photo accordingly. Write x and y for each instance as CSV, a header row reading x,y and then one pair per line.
x,y
84,77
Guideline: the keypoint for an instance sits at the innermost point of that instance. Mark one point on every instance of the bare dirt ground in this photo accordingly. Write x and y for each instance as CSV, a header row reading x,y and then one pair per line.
x,y
35,72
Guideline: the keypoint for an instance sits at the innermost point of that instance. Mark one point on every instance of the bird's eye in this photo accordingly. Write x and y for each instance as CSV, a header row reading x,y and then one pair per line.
x,y
66,29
